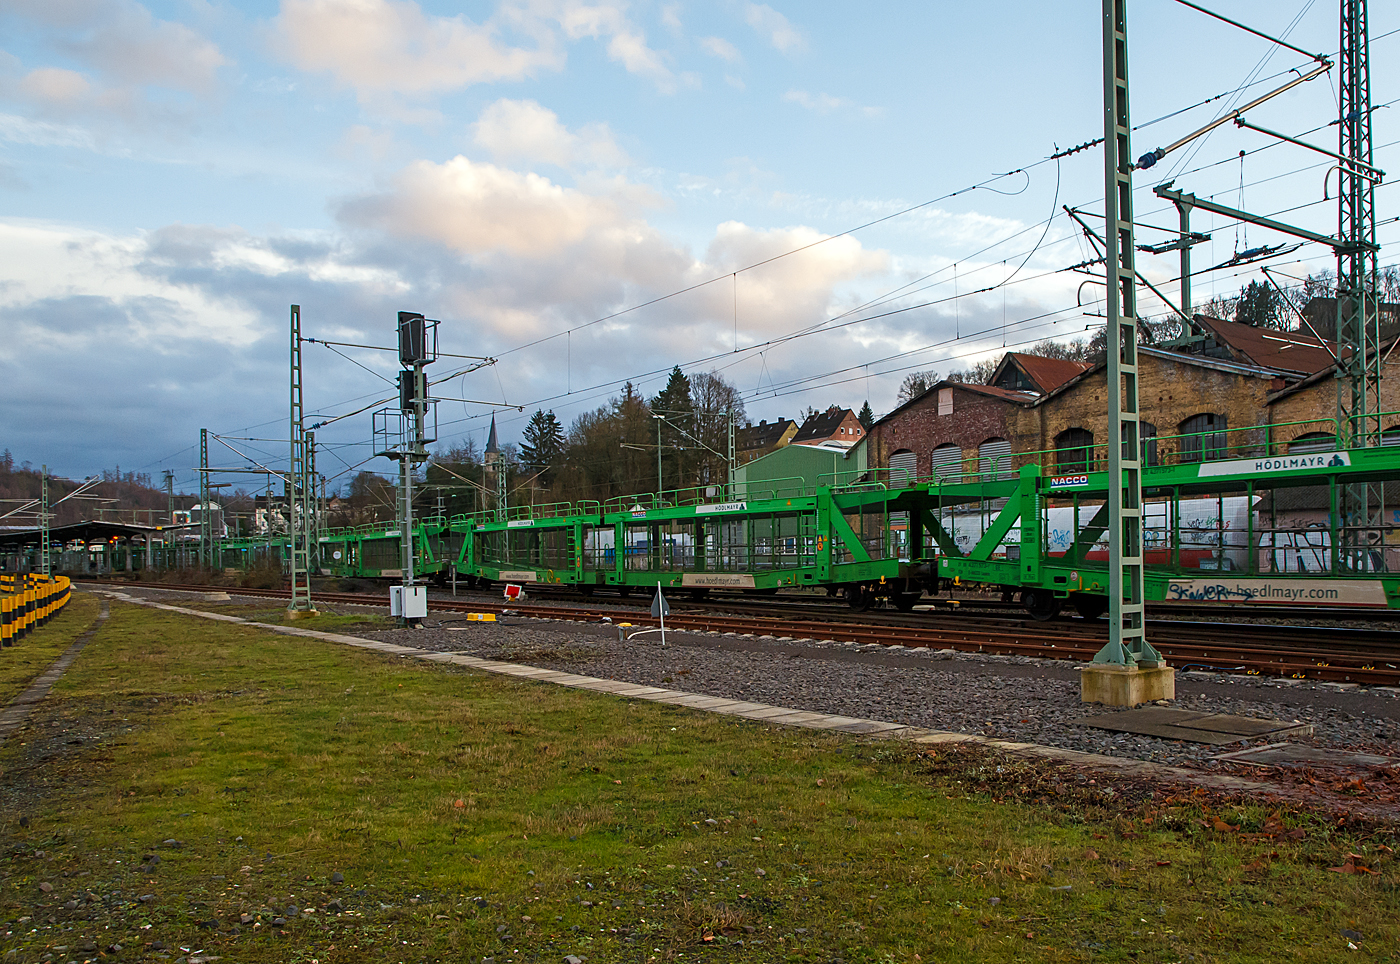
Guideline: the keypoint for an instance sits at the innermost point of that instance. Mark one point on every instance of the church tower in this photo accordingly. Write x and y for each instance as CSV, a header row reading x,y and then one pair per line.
x,y
493,449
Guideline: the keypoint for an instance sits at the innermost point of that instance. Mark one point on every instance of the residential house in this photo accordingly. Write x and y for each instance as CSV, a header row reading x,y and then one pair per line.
x,y
835,428
753,441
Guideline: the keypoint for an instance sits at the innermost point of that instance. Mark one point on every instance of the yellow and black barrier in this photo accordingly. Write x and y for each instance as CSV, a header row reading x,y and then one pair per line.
x,y
28,601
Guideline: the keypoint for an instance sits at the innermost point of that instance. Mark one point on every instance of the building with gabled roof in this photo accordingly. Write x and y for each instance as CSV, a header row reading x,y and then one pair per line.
x,y
1293,352
834,428
753,441
1022,372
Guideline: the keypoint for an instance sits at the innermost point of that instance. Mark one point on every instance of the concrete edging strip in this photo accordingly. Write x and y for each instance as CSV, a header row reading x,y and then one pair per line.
x,y
758,712
17,712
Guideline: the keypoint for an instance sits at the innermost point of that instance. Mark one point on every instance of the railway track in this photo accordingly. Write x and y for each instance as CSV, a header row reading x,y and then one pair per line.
x,y
986,606
1366,656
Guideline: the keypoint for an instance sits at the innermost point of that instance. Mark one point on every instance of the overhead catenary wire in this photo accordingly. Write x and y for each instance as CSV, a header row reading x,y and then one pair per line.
x,y
1240,88
1258,33
821,325
970,294
814,329
849,231
818,328
1201,141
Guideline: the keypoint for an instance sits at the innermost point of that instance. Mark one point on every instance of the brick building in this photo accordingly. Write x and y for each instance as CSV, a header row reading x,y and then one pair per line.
x,y
1225,390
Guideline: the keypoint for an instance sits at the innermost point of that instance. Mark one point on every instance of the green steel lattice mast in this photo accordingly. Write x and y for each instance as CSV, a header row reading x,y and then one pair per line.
x,y
1358,316
206,530
298,495
1127,642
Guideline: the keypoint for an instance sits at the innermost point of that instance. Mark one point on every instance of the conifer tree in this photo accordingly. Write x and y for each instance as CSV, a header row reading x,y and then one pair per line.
x,y
677,409
866,416
542,445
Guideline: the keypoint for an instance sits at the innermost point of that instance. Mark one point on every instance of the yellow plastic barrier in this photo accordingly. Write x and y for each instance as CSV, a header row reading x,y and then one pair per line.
x,y
28,601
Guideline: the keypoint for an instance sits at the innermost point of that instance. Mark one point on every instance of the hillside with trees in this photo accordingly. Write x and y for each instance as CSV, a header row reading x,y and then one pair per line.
x,y
118,495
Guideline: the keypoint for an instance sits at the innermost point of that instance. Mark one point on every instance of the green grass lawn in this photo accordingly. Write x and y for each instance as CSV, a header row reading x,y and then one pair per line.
x,y
474,816
29,657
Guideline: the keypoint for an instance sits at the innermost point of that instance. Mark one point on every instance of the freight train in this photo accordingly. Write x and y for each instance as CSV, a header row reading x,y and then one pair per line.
x,y
1258,529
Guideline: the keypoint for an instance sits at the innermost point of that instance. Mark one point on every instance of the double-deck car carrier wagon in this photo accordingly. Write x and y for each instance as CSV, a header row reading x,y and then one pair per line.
x,y
1261,527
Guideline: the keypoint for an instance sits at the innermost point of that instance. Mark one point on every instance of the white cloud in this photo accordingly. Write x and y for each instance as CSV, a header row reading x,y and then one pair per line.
x,y
631,50
55,85
194,316
719,47
477,209
132,47
380,47
626,44
122,40
774,27
828,103
524,130
192,319
819,103
791,291
389,49
22,130
131,62
59,13
48,262
535,257
671,18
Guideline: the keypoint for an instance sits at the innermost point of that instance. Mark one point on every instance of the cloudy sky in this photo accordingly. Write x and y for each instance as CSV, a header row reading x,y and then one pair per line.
x,y
811,198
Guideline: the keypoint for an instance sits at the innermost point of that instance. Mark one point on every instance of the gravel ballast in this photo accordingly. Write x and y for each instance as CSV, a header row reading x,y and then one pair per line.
x,y
1012,698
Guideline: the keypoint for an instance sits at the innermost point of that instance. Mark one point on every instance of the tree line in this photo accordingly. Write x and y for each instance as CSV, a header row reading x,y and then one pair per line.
x,y
606,453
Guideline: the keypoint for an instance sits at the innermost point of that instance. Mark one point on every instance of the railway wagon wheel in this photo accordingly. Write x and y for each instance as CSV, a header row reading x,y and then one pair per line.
x,y
858,597
1090,607
1042,604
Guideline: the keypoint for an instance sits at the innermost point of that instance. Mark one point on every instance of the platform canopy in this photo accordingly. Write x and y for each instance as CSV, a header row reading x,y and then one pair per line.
x,y
89,532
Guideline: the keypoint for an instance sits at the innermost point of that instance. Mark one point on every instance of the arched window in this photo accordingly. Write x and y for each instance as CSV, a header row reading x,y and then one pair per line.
x,y
1203,438
1147,442
994,460
947,463
1074,448
1312,442
904,468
